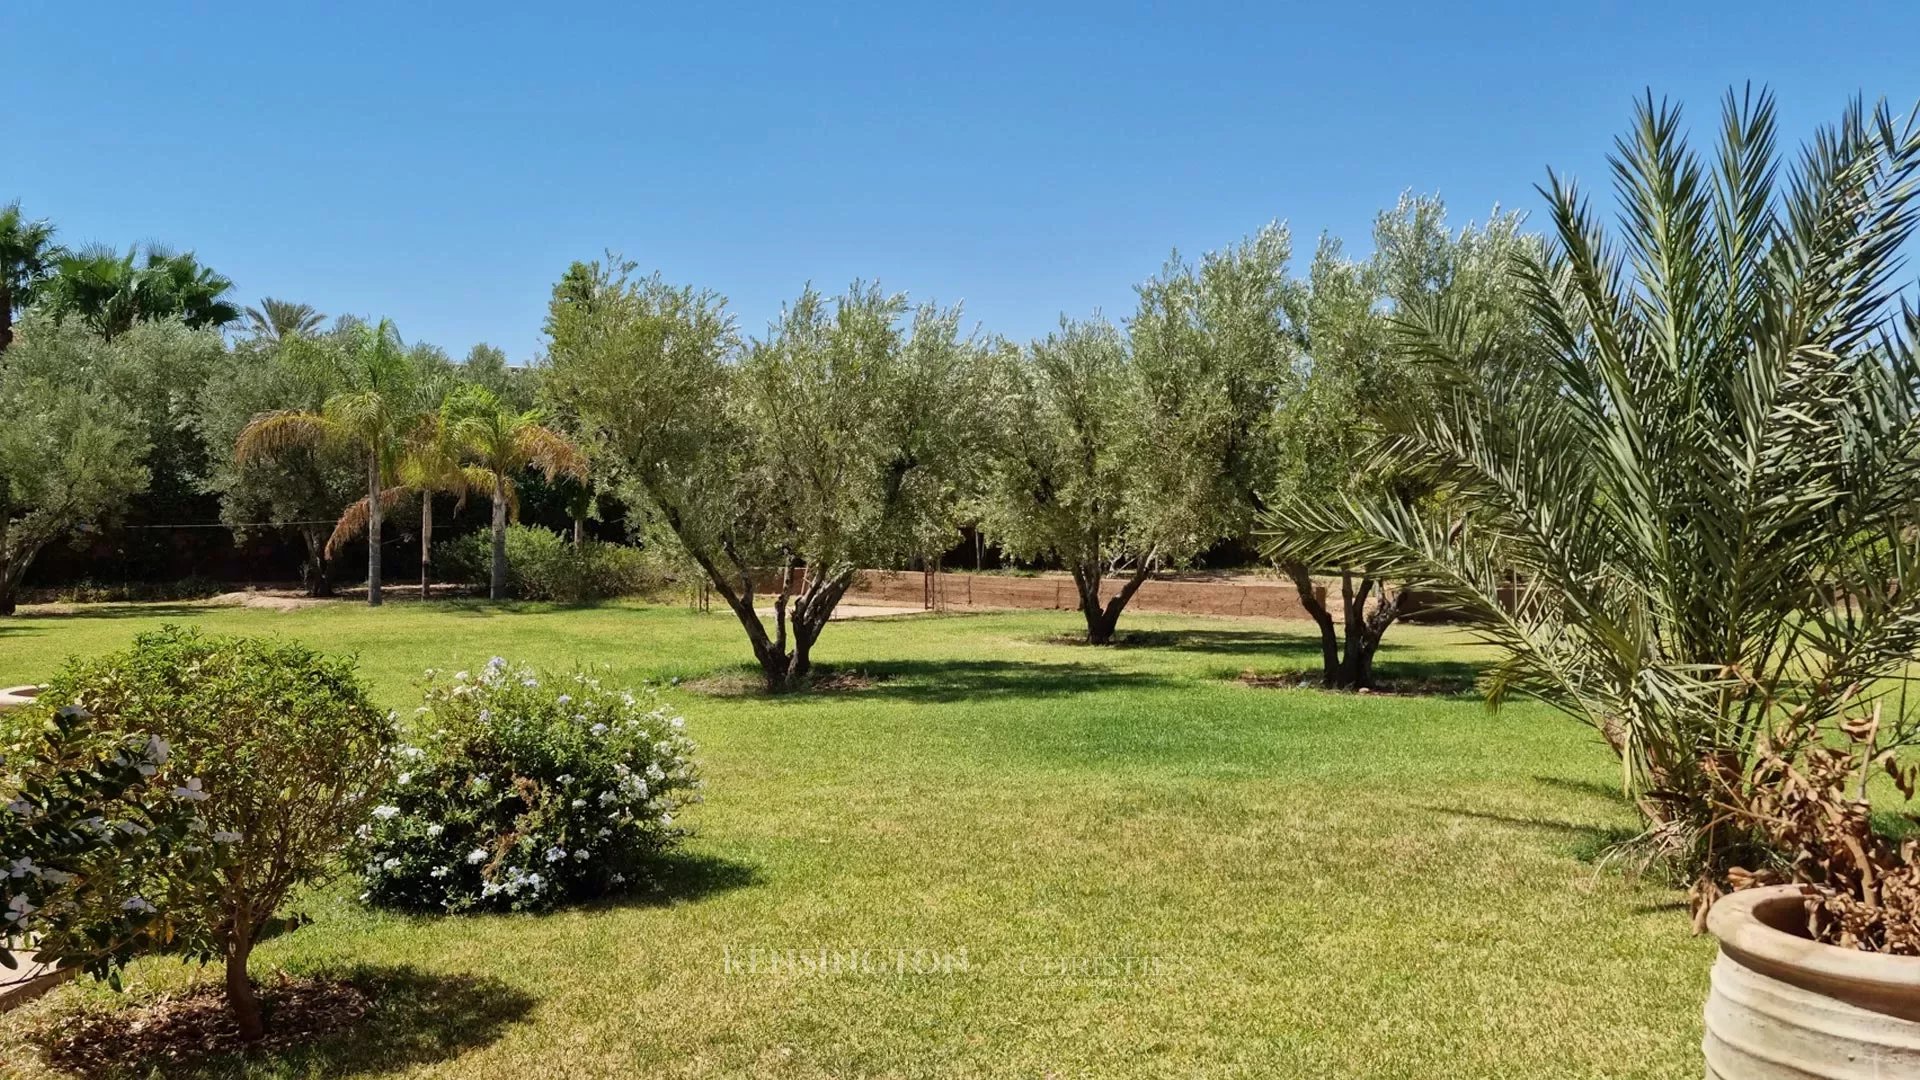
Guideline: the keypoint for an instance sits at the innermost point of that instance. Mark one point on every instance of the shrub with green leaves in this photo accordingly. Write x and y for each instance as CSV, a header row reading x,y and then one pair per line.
x,y
101,833
284,752
543,565
521,791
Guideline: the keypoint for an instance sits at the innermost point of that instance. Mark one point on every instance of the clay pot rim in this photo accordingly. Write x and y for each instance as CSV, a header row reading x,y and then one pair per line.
x,y
1747,922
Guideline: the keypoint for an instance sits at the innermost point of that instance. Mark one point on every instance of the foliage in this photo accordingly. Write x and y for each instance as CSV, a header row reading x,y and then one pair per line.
x,y
505,443
1349,377
841,440
282,320
109,292
71,449
27,256
286,753
1809,798
1137,453
369,415
100,839
524,791
1686,509
543,565
298,488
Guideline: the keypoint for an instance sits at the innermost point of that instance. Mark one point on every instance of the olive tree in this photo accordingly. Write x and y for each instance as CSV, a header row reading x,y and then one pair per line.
x,y
784,464
73,448
1130,453
1350,379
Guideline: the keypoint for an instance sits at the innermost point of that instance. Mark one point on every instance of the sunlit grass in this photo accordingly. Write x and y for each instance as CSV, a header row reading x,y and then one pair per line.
x,y
1277,882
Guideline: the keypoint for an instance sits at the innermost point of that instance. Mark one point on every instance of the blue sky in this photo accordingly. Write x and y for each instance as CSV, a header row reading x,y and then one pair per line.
x,y
442,163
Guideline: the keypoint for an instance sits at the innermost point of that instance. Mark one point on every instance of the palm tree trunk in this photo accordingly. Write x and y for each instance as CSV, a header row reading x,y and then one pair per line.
x,y
426,544
373,529
6,316
497,586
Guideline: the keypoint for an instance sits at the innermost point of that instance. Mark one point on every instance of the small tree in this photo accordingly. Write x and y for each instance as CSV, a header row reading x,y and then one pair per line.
x,y
1138,453
836,442
285,753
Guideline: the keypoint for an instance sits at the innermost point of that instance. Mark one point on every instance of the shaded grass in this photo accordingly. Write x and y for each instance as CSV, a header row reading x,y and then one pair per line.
x,y
1327,884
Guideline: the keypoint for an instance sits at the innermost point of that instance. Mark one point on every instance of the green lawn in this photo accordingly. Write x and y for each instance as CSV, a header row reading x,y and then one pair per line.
x,y
1308,884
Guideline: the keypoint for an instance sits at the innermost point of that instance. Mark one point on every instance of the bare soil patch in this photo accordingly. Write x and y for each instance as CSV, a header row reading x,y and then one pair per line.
x,y
178,1028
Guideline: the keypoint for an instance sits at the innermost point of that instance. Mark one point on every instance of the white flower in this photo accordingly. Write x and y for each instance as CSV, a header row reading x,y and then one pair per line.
x,y
363,833
563,699
435,830
157,750
191,792
440,871
529,683
21,807
486,716
678,721
411,753
563,779
460,676
385,812
477,855
580,854
225,837
618,878
390,864
19,907
22,868
403,779
55,877
138,904
578,803
555,854
666,819
598,729
607,797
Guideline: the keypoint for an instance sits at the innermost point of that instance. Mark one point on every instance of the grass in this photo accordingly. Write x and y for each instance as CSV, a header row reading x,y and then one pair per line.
x,y
1271,882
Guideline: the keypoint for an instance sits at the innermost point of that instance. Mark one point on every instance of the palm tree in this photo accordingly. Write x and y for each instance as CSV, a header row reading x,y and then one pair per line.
x,y
110,291
372,417
1687,515
506,444
27,255
283,320
432,462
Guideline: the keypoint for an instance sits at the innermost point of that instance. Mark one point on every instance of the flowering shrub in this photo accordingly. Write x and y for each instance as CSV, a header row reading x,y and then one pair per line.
x,y
521,792
98,836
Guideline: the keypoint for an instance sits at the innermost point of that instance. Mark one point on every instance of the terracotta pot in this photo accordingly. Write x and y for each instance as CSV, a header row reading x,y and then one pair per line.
x,y
1783,1005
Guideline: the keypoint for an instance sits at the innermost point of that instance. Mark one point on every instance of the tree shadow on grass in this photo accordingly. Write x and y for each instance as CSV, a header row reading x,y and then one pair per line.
x,y
412,1017
1235,641
86,612
935,681
1587,843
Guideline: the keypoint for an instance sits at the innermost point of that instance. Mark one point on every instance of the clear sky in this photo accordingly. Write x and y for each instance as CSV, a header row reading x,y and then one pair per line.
x,y
442,163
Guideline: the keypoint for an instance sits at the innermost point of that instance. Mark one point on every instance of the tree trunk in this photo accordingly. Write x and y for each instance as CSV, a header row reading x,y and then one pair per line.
x,y
8,604
319,576
1103,619
373,529
241,997
1314,601
497,581
6,316
579,533
426,544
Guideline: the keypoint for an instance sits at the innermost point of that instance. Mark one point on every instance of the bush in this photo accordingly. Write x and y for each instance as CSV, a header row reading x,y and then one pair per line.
x,y
544,565
98,833
522,792
285,752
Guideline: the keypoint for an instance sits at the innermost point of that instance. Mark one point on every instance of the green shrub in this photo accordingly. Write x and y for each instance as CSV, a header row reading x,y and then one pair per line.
x,y
100,831
544,565
285,751
521,792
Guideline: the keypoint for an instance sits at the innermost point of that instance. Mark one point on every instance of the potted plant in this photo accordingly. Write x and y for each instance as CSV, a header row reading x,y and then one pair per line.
x,y
1819,976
